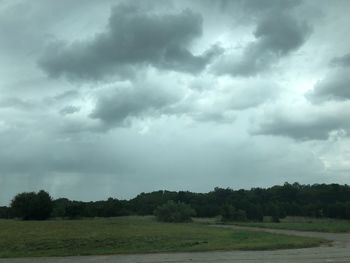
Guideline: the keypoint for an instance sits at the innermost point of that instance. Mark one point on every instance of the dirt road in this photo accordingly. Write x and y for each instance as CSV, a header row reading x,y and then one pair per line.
x,y
338,252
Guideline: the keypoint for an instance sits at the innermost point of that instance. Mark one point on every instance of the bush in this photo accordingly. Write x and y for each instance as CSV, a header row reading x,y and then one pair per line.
x,y
174,212
229,213
32,206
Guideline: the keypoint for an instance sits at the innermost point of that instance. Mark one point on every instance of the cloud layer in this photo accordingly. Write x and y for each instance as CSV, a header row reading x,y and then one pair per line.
x,y
305,122
277,34
122,97
133,38
335,85
121,103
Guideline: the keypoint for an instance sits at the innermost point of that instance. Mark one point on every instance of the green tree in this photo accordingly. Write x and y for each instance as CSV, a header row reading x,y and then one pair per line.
x,y
74,210
230,213
32,206
274,212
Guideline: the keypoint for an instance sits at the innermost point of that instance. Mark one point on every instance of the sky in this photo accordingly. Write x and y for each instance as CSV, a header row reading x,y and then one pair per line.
x,y
110,98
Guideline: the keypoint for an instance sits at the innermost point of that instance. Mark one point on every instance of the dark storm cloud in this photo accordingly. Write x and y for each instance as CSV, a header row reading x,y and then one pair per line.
x,y
335,86
277,34
310,125
280,34
343,61
254,6
125,102
250,7
69,110
318,129
133,37
67,95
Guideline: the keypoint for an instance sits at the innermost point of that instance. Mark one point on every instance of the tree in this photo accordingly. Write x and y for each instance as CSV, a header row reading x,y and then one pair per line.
x,y
230,213
59,207
174,212
254,212
274,212
5,212
74,210
32,206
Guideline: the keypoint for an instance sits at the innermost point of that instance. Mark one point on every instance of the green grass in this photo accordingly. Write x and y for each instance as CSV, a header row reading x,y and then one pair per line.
x,y
130,235
305,224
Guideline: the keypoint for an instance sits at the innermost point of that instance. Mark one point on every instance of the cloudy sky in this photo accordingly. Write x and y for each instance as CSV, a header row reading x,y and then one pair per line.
x,y
113,98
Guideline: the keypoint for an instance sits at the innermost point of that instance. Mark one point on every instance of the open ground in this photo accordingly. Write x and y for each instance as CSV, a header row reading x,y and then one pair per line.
x,y
172,242
338,251
128,235
304,224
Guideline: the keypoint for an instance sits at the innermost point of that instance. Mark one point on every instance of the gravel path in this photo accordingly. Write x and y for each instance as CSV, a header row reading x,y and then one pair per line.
x,y
338,252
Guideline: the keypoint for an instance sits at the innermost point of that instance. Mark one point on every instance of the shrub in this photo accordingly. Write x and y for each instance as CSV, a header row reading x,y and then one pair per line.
x,y
174,212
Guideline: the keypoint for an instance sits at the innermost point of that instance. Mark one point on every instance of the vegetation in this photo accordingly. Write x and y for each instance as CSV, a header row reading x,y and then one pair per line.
x,y
130,235
32,206
174,212
5,212
229,213
305,224
319,200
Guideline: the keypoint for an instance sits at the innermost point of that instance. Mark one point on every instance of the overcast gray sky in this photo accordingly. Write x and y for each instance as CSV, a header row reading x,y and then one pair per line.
x,y
113,98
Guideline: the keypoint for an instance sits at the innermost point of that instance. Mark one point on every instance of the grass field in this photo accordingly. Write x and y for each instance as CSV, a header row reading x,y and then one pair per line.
x,y
305,224
130,235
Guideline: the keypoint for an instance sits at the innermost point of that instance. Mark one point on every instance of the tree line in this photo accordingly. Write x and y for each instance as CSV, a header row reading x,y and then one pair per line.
x,y
317,200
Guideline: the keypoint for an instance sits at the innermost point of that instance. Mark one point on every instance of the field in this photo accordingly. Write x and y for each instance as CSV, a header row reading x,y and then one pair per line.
x,y
305,224
130,235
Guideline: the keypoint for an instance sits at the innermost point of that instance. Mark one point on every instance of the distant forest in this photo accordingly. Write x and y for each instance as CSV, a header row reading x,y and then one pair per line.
x,y
318,200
